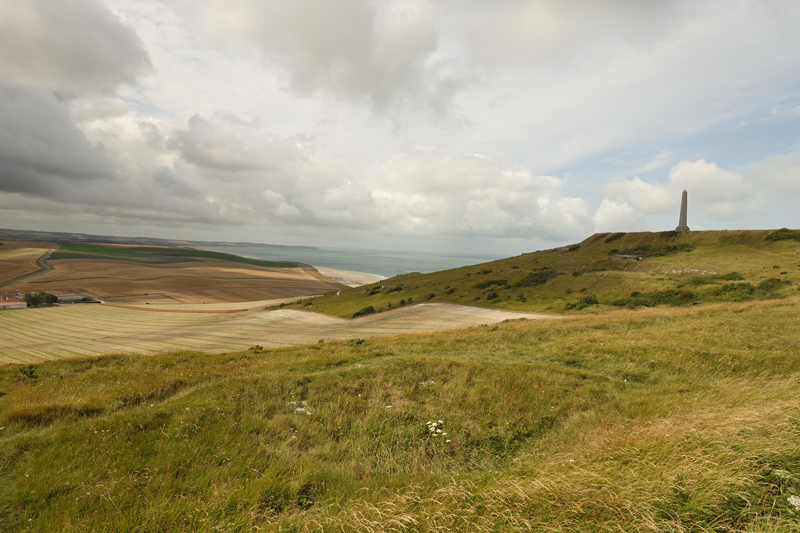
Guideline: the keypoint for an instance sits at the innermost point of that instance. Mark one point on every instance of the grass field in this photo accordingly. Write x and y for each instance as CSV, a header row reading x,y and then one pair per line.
x,y
136,274
33,335
660,267
655,419
18,258
156,254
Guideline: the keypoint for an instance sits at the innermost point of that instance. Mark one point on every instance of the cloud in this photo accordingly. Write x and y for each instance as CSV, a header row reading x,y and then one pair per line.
x,y
41,151
74,47
718,193
380,53
779,171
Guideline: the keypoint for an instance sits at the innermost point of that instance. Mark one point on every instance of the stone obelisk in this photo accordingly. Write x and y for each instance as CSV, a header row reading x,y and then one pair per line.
x,y
682,221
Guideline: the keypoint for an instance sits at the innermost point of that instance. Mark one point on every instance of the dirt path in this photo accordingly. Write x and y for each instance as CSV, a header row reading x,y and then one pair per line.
x,y
33,335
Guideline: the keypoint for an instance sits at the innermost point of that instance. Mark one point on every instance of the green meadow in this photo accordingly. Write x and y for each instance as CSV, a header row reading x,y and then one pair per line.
x,y
641,415
155,254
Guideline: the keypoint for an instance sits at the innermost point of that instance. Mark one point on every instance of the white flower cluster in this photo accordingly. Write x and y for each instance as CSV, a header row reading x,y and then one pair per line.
x,y
435,428
794,501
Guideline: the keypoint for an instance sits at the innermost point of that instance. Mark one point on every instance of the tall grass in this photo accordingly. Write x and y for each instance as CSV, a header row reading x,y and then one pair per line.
x,y
663,419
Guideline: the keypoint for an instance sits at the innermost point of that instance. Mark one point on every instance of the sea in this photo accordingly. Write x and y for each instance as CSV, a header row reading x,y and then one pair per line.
x,y
379,262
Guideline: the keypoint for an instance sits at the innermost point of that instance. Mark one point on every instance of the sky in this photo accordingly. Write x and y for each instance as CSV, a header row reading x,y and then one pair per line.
x,y
495,127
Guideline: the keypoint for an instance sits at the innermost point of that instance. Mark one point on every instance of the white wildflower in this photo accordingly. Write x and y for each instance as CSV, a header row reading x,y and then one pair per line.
x,y
794,501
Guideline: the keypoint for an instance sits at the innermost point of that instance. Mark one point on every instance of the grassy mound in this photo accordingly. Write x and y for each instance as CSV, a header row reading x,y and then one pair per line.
x,y
620,269
660,419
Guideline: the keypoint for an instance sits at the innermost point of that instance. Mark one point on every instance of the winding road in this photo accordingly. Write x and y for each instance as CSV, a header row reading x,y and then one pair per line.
x,y
41,261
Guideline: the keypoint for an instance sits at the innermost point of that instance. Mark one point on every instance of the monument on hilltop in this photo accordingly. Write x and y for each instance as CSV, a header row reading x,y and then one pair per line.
x,y
682,220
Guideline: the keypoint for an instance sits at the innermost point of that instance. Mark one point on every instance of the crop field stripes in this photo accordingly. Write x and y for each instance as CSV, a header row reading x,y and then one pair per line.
x,y
78,331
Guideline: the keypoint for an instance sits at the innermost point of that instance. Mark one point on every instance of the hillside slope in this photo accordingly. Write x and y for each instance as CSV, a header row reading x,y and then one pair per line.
x,y
665,419
605,270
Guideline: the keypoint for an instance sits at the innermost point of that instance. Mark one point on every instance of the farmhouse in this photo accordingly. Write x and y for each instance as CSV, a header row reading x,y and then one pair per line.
x,y
12,300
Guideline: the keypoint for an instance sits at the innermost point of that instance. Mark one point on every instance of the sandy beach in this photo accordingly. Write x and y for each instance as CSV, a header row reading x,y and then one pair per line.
x,y
351,279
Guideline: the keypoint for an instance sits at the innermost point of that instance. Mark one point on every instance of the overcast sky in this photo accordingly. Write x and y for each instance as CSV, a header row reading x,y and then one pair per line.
x,y
495,127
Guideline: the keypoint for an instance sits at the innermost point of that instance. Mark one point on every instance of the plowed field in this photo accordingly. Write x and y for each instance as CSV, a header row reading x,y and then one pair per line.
x,y
32,335
194,281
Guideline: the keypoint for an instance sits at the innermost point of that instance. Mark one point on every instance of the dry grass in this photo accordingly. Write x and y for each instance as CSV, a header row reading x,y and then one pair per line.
x,y
18,258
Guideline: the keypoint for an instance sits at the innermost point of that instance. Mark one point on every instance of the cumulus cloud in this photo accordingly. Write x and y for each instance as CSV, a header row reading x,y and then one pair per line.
x,y
381,53
779,171
71,46
718,193
41,151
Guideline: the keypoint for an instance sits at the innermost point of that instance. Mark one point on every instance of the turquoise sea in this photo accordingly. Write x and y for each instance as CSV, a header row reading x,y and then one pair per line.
x,y
382,263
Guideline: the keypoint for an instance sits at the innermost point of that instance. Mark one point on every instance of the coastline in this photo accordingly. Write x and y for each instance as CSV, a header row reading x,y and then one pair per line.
x,y
349,278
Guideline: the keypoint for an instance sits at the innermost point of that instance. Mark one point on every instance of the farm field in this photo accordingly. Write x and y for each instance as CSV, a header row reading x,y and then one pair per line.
x,y
667,419
135,274
32,335
18,258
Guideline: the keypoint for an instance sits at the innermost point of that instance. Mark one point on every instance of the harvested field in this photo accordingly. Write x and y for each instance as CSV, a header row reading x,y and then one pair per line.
x,y
18,258
193,281
87,330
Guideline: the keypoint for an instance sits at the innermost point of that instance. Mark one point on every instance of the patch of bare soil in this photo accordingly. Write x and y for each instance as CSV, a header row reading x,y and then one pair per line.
x,y
128,282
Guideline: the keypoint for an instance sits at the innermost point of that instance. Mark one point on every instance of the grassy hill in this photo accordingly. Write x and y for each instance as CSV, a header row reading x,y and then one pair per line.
x,y
604,271
663,419
666,418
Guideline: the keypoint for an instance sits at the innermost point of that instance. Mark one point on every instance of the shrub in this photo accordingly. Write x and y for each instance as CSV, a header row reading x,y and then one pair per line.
x,y
491,296
537,277
686,295
577,273
451,290
357,342
402,302
615,236
730,276
485,271
364,311
489,282
574,248
586,301
658,251
772,284
28,371
613,251
431,296
784,234
393,289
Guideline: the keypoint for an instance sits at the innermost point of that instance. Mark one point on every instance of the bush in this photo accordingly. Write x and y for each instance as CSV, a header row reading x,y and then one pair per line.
x,y
489,282
784,234
658,251
431,296
577,273
364,311
586,301
613,251
28,371
615,236
772,284
491,296
485,271
393,289
402,302
730,276
537,277
574,248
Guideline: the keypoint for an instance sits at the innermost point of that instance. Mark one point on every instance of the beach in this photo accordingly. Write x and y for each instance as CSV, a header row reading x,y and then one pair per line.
x,y
346,277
